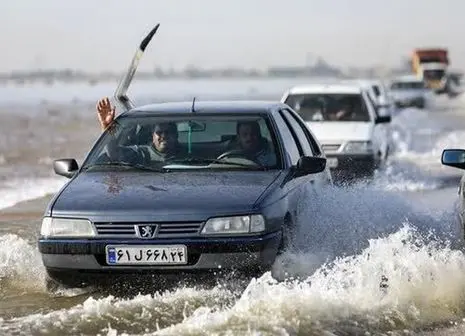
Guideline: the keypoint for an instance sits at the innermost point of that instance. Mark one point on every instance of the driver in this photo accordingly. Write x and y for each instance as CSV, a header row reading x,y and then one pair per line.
x,y
252,145
164,143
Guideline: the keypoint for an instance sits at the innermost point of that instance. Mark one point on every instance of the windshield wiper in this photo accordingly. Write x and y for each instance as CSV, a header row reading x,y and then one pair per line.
x,y
196,160
124,164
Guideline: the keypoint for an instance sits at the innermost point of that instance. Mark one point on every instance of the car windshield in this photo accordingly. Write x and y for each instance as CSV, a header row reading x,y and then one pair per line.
x,y
416,85
329,107
161,144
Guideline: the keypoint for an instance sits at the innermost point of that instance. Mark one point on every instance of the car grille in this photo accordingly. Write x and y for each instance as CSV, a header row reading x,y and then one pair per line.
x,y
331,147
165,230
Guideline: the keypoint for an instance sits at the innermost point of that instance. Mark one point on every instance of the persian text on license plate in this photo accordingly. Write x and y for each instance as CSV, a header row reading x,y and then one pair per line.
x,y
146,255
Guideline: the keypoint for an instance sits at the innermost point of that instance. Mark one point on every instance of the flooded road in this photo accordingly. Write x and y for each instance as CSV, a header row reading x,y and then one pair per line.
x,y
395,228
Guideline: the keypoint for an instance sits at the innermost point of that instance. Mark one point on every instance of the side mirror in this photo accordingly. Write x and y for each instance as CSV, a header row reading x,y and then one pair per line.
x,y
65,167
310,165
453,158
383,119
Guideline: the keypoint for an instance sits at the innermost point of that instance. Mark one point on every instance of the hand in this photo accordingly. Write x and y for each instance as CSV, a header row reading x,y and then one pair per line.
x,y
106,112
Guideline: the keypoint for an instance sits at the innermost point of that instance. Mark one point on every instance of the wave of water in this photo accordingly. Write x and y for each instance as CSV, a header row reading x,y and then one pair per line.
x,y
418,138
425,286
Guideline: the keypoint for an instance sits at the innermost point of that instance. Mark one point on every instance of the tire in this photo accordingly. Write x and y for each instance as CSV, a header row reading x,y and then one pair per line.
x,y
276,270
288,235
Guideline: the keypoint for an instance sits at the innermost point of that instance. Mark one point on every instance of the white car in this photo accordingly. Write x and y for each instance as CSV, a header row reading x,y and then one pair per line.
x,y
355,145
411,91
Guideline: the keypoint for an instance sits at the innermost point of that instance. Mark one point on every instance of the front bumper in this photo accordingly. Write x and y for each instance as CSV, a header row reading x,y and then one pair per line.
x,y
203,254
352,165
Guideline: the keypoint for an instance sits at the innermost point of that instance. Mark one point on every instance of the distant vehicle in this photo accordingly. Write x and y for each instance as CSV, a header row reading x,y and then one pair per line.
x,y
379,94
432,65
212,207
409,91
345,121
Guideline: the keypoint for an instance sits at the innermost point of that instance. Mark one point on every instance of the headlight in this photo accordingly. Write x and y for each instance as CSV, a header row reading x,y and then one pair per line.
x,y
236,224
358,146
66,227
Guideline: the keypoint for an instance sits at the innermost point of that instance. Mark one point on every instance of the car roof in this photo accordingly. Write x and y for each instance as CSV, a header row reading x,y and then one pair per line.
x,y
216,107
340,87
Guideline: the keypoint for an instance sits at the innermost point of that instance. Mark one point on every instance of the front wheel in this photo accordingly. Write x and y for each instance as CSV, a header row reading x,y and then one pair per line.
x,y
288,230
278,269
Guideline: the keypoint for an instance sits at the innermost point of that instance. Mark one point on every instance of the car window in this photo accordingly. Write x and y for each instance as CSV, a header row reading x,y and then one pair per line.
x,y
433,74
313,143
152,140
329,106
289,140
374,106
301,136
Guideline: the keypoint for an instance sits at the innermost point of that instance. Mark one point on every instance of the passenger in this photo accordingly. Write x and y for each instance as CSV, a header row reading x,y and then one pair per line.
x,y
253,145
164,143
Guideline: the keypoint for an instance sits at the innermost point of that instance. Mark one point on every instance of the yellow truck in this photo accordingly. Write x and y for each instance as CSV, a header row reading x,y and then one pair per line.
x,y
432,65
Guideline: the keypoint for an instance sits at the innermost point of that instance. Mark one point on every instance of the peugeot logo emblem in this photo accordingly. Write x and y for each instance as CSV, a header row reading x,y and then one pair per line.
x,y
146,231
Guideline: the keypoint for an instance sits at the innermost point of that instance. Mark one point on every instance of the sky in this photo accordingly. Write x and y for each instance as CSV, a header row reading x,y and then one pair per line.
x,y
102,35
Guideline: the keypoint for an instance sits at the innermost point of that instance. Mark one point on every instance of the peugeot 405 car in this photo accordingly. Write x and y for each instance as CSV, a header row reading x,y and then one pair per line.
x,y
212,204
210,207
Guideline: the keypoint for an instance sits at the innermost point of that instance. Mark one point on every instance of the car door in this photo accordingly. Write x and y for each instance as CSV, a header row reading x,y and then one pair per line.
x,y
305,140
296,188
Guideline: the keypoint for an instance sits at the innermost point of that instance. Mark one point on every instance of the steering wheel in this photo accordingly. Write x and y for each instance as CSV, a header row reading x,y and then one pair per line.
x,y
231,153
240,155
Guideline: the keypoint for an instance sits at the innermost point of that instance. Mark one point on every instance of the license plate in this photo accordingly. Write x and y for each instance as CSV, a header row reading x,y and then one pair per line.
x,y
332,162
147,255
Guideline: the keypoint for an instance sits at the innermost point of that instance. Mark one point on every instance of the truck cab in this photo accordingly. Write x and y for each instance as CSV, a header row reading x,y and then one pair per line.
x,y
431,66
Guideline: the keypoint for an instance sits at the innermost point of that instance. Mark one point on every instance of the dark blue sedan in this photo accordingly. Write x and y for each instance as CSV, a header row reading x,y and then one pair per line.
x,y
172,188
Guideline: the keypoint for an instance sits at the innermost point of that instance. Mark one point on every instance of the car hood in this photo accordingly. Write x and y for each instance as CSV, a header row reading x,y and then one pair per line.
x,y
340,131
181,194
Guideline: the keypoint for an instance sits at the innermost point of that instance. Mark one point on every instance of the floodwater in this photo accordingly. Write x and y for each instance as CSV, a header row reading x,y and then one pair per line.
x,y
396,227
